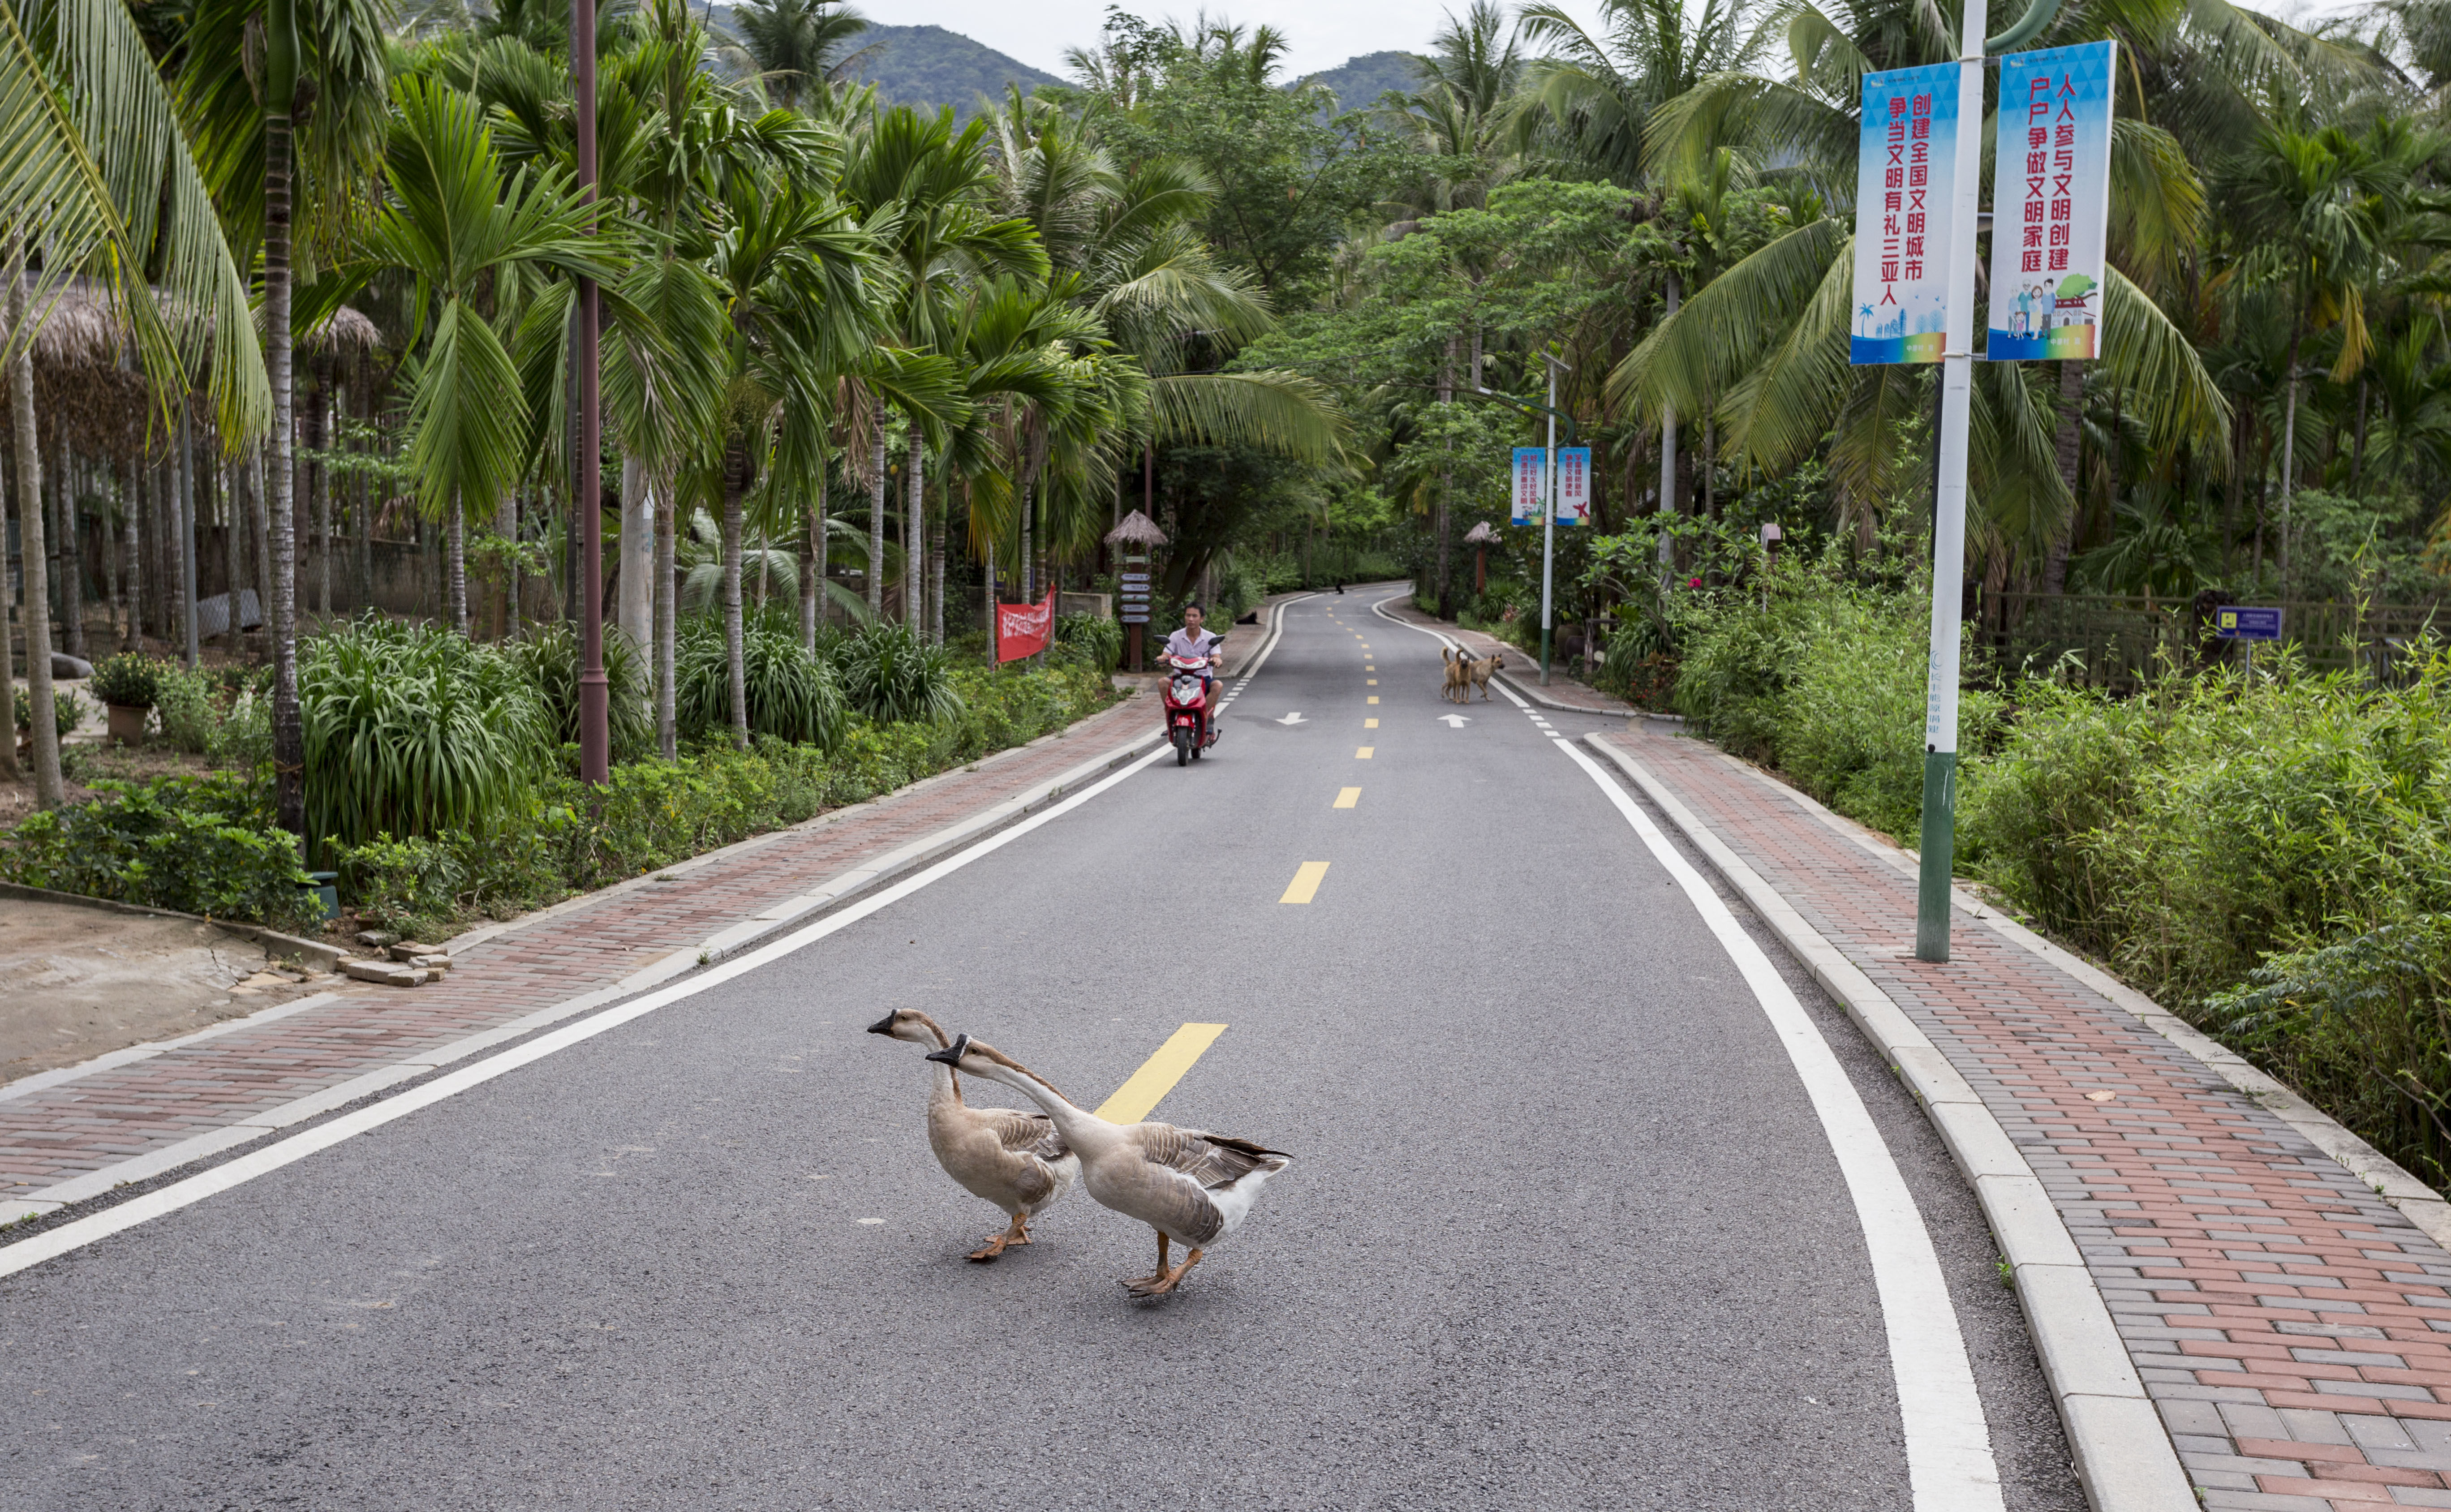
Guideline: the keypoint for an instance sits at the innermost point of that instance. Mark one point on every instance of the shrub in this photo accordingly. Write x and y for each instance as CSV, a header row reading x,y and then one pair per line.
x,y
126,681
792,694
413,731
198,845
186,708
1090,640
548,655
891,677
68,711
411,886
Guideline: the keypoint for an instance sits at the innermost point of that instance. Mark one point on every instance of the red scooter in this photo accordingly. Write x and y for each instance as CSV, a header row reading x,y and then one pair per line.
x,y
1187,708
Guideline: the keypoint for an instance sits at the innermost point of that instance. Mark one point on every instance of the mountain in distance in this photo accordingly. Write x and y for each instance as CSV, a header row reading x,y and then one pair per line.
x,y
931,66
1360,81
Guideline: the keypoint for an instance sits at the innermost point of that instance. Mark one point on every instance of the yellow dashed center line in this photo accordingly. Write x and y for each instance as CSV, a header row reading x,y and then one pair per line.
x,y
1363,754
1347,797
1306,883
1133,1100
1374,698
1371,724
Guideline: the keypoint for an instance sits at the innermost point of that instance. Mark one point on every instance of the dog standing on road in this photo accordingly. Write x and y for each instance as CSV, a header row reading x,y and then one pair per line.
x,y
1458,676
1479,671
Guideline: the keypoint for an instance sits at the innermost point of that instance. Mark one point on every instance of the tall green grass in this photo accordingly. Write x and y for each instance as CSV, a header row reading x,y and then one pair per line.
x,y
414,731
891,677
792,694
548,655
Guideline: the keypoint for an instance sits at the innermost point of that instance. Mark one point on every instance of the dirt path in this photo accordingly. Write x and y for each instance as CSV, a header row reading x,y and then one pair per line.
x,y
78,982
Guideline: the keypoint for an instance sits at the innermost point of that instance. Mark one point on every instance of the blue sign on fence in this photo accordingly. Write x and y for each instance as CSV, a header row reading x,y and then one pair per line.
x,y
2232,622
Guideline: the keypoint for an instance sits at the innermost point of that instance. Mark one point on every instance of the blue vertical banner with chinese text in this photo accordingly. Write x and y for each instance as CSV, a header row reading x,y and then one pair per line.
x,y
2051,204
1531,485
1902,214
1574,485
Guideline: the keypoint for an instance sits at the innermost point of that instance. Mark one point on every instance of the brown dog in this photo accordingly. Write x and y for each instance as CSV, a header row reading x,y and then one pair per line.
x,y
1458,676
1495,661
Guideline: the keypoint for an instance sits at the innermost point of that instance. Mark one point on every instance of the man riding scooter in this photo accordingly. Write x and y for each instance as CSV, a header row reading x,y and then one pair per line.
x,y
1194,644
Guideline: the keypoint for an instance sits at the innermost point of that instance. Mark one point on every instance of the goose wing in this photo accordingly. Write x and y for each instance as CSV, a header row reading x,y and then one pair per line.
x,y
1211,1160
1023,1133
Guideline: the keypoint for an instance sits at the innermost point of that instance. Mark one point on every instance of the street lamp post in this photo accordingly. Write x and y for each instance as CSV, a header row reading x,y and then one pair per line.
x,y
1549,500
595,695
1939,838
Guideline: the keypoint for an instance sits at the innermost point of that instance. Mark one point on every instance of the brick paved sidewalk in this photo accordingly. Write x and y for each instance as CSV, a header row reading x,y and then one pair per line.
x,y
66,1136
1522,668
2293,1327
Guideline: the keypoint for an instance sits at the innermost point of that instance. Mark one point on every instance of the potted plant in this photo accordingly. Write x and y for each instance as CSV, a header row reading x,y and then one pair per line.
x,y
126,683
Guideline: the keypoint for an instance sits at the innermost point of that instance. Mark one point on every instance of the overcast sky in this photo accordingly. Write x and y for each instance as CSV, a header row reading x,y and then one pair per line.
x,y
1323,35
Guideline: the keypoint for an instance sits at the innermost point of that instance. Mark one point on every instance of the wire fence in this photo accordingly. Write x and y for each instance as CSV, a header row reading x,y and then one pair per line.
x,y
2121,643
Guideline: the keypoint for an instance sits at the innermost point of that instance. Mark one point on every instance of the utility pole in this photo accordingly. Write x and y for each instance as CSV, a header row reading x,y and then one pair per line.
x,y
594,693
1549,488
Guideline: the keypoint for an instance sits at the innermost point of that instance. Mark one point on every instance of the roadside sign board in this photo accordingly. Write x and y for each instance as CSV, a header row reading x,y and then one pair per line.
x,y
1903,206
1574,485
2236,623
2050,202
1531,485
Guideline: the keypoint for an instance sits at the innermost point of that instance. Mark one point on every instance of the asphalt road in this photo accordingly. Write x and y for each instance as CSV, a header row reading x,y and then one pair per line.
x,y
1564,1230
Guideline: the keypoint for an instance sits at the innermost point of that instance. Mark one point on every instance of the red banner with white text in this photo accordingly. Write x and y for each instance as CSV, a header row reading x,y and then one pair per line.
x,y
1022,629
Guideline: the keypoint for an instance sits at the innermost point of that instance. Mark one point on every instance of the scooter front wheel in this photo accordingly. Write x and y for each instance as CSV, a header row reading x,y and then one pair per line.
x,y
1182,746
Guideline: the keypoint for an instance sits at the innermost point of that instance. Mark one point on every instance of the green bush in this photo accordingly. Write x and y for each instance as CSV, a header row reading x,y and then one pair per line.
x,y
549,657
68,711
410,886
186,708
126,681
1089,640
792,694
199,845
890,677
413,731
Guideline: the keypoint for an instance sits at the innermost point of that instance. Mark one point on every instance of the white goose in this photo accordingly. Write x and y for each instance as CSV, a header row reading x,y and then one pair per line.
x,y
1014,1160
1186,1184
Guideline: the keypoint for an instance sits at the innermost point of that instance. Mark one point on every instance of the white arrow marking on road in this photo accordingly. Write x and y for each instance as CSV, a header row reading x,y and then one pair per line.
x,y
1455,721
1294,717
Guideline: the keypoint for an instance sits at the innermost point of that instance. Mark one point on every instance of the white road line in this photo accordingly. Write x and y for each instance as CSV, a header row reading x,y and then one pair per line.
x,y
1949,1442
33,1251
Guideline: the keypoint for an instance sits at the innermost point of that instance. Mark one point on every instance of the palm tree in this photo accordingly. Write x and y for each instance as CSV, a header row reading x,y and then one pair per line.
x,y
798,44
1459,122
97,174
468,232
325,57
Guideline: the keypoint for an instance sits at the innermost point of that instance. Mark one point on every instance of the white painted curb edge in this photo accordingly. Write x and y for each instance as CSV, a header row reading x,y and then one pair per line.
x,y
2123,1455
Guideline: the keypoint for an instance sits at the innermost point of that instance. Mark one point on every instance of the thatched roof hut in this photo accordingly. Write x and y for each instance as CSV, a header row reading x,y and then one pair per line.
x,y
1137,530
345,333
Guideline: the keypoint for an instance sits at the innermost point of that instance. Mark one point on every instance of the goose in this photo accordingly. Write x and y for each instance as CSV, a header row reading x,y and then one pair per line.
x,y
1186,1184
1014,1160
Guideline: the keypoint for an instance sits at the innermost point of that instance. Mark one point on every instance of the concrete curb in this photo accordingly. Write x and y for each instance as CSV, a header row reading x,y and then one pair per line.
x,y
2123,1455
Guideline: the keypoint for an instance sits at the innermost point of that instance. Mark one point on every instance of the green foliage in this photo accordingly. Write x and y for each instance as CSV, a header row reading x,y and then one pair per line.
x,y
890,677
1093,641
414,731
198,845
409,886
2362,1027
792,695
67,710
126,681
549,657
1825,683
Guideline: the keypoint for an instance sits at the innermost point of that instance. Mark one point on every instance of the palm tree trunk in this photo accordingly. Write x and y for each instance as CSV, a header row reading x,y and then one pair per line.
x,y
506,524
7,658
259,532
1668,460
2066,443
987,601
876,526
233,544
936,580
813,563
914,540
1022,563
1446,486
2289,451
666,623
72,559
289,728
36,608
455,564
319,484
735,483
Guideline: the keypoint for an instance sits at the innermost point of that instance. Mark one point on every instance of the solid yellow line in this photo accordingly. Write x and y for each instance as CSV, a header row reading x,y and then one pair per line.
x,y
1371,724
1347,797
1364,754
1305,884
1136,1097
